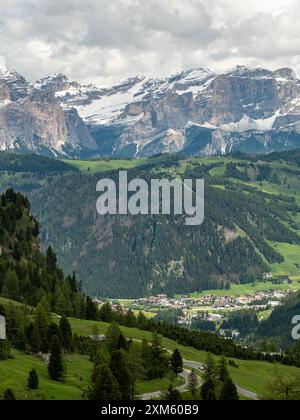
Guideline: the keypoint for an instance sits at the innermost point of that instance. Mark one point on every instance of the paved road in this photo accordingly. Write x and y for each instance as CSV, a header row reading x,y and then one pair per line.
x,y
242,391
183,388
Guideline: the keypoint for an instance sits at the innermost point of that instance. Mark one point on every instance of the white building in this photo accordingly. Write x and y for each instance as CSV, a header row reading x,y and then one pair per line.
x,y
2,328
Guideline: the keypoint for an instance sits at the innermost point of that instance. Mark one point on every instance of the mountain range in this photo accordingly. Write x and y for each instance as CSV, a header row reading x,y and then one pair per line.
x,y
195,112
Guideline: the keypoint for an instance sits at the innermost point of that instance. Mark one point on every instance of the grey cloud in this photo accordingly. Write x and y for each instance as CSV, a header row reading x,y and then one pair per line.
x,y
107,40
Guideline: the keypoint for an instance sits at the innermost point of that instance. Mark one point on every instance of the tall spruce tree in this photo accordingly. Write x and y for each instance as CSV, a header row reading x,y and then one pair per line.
x,y
176,362
104,385
55,367
112,337
92,313
223,370
33,380
208,391
122,343
120,369
9,395
173,394
229,391
193,383
66,334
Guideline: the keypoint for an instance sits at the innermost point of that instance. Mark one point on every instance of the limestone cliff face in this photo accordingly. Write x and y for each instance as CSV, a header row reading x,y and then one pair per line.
x,y
5,93
32,119
196,111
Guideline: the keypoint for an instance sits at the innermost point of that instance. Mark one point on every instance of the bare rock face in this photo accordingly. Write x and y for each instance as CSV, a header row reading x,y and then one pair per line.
x,y
33,119
139,114
192,112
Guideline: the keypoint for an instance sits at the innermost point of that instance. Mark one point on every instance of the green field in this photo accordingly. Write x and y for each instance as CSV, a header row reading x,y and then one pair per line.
x,y
247,289
291,254
5,301
254,376
155,385
104,165
14,374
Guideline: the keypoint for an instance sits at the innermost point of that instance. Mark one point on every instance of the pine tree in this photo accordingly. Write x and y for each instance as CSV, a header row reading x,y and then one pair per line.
x,y
11,285
223,370
33,380
102,357
105,386
20,340
119,367
176,362
130,319
34,338
66,334
173,394
51,260
210,369
106,313
4,349
55,368
122,343
136,368
193,383
9,395
112,337
229,391
42,321
91,310
208,391
156,360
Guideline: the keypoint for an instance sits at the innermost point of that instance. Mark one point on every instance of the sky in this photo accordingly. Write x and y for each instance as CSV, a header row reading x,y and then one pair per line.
x,y
103,41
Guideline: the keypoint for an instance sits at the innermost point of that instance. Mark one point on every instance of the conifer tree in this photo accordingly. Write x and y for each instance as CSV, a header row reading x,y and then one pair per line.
x,y
193,383
112,337
91,310
173,394
105,386
55,367
33,380
66,334
176,362
119,367
9,395
208,391
223,370
122,343
229,391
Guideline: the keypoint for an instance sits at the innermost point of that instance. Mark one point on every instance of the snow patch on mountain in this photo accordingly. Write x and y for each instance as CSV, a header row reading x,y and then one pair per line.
x,y
248,124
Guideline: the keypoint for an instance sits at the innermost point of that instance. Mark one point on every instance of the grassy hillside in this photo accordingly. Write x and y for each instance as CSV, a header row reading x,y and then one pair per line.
x,y
249,289
105,165
14,373
254,376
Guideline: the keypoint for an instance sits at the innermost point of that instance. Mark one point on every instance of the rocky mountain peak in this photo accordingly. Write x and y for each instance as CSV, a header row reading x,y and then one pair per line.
x,y
18,85
193,111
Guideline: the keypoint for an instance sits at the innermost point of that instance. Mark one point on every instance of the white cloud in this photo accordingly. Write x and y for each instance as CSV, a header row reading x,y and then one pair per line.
x,y
107,40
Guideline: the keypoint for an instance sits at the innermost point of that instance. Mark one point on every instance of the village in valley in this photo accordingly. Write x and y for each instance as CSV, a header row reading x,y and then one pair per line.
x,y
214,308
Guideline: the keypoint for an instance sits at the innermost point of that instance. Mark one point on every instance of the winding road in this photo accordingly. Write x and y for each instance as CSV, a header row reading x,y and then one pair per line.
x,y
183,388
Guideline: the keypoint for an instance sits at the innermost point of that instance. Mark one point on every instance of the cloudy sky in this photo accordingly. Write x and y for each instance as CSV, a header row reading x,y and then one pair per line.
x,y
108,40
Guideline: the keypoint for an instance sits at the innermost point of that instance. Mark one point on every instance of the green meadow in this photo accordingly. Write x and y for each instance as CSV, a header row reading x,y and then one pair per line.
x,y
252,375
104,165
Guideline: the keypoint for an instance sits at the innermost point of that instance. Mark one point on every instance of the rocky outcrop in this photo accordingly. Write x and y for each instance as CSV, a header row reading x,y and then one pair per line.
x,y
196,111
33,119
